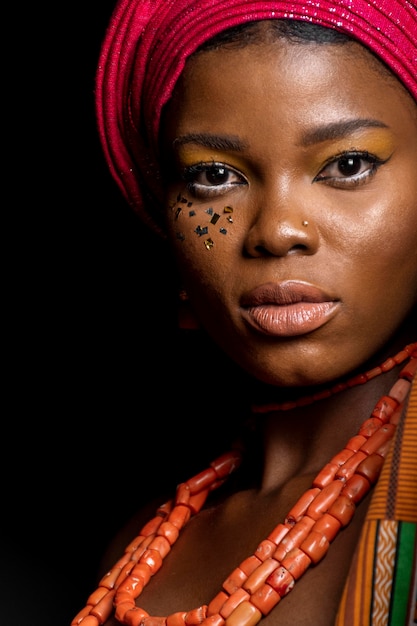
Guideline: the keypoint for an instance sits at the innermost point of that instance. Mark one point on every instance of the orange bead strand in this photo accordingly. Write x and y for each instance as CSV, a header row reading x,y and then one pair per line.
x,y
259,583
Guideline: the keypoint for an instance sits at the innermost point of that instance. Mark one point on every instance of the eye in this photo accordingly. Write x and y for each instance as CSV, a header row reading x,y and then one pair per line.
x,y
349,169
211,179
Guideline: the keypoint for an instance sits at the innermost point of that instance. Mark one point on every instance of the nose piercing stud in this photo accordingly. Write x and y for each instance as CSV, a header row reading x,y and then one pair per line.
x,y
304,223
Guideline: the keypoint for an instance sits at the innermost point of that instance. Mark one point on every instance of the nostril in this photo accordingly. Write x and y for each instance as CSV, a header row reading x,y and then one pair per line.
x,y
298,247
263,251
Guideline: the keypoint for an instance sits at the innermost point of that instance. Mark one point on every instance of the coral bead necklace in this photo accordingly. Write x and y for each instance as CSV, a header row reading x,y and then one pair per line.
x,y
263,579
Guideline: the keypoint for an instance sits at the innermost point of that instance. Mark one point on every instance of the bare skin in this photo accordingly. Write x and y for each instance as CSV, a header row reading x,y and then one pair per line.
x,y
270,114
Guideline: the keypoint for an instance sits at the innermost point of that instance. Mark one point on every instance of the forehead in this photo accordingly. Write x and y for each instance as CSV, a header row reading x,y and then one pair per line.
x,y
282,81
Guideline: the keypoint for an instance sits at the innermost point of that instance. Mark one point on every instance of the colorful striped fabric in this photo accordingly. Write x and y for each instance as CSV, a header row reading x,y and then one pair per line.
x,y
382,584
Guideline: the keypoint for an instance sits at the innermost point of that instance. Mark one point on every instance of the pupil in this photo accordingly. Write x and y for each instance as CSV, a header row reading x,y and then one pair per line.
x,y
216,175
349,165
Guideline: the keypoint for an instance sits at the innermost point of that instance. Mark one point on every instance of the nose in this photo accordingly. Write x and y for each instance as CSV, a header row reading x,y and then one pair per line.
x,y
283,224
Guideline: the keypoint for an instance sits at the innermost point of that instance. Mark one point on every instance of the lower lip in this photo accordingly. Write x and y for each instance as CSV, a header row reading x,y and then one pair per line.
x,y
289,320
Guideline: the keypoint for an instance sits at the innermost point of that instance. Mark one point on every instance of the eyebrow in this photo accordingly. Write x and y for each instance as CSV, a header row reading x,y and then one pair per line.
x,y
325,132
338,130
208,140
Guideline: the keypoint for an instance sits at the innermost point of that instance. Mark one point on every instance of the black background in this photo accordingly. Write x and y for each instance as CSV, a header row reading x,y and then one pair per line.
x,y
105,404
92,376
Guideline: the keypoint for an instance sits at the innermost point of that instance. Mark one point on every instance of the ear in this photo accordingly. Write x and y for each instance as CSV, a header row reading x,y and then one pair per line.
x,y
186,317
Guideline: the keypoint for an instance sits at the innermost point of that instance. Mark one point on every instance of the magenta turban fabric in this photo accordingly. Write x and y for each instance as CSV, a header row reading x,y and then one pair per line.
x,y
148,41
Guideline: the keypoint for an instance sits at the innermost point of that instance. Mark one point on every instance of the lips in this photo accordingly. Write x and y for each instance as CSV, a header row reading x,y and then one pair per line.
x,y
287,309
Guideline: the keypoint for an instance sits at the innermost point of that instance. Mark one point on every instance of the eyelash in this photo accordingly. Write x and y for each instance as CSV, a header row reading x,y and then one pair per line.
x,y
357,158
348,158
197,189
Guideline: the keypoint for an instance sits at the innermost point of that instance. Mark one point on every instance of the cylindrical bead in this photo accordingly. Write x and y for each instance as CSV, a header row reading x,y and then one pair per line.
x,y
265,598
238,596
281,580
246,614
299,509
164,509
356,487
378,439
382,450
202,481
343,509
132,586
121,610
182,495
217,602
361,379
143,572
152,526
234,580
89,620
97,595
169,531
258,576
153,559
371,467
135,556
176,619
136,617
328,526
294,537
213,620
136,543
355,442
161,544
109,579
250,564
338,387
279,532
321,395
152,620
384,408
342,456
324,500
124,572
399,390
265,549
103,608
325,476
82,616
396,416
226,463
369,426
349,468
296,562
179,515
409,370
124,598
196,616
315,546
388,365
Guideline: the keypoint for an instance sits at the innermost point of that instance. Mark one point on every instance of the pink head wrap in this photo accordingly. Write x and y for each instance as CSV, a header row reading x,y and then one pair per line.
x,y
148,41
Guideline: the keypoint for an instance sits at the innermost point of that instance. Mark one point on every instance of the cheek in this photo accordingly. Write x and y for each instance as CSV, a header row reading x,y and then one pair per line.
x,y
385,263
201,234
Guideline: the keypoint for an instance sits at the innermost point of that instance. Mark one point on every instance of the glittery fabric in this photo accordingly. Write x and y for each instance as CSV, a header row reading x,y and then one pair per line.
x,y
148,42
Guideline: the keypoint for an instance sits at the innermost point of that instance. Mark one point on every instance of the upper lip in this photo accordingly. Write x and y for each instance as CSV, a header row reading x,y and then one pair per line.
x,y
285,293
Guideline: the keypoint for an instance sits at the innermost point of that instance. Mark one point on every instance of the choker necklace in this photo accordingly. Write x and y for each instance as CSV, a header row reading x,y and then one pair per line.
x,y
263,579
360,379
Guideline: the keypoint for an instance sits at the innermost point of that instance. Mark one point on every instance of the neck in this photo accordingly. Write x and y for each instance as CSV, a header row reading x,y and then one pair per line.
x,y
303,438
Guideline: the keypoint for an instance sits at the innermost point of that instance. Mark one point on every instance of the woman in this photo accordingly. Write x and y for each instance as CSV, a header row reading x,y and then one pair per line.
x,y
273,145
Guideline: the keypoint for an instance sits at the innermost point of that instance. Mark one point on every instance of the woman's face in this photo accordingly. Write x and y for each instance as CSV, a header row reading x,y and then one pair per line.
x,y
292,205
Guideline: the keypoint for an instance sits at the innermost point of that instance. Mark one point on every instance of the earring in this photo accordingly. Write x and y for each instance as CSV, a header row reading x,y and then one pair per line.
x,y
186,317
304,223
